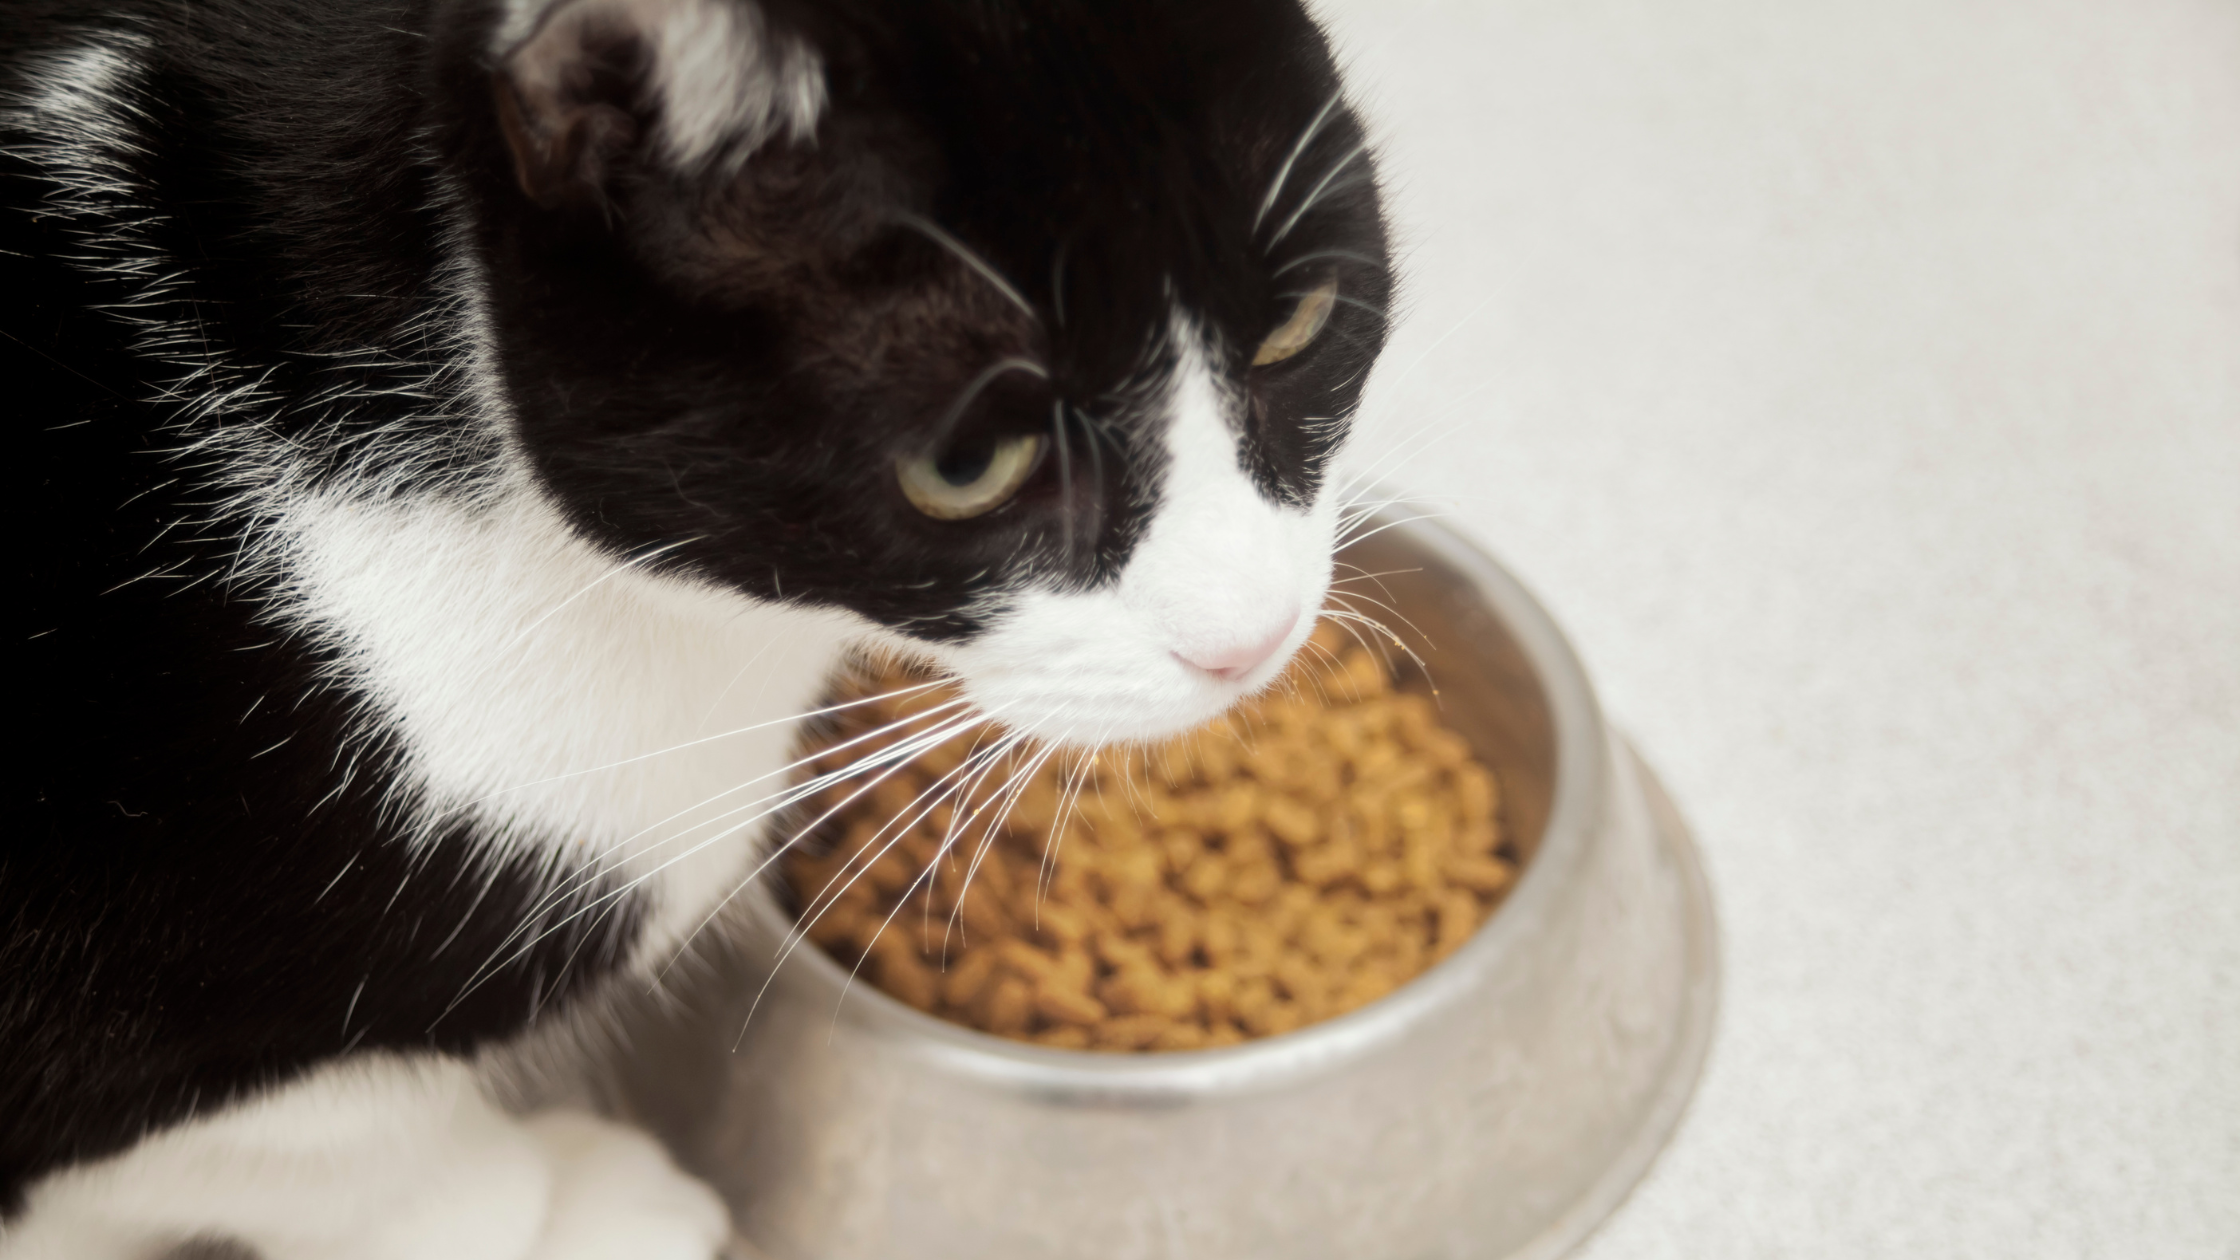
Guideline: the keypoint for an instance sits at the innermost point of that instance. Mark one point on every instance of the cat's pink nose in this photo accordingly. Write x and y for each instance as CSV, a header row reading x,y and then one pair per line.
x,y
1233,660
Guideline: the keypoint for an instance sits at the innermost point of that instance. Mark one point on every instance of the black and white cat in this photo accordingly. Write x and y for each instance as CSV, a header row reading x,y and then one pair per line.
x,y
464,437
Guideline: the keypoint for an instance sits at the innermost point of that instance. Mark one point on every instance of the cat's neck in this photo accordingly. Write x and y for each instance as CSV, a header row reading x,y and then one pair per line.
x,y
569,701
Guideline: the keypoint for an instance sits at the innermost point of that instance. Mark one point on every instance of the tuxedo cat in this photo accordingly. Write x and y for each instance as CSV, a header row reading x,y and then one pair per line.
x,y
464,436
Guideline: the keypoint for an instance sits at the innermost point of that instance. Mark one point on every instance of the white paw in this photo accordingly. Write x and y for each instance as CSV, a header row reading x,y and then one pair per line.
x,y
378,1158
617,1196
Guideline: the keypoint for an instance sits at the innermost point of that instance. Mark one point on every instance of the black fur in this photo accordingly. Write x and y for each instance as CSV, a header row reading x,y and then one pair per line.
x,y
206,890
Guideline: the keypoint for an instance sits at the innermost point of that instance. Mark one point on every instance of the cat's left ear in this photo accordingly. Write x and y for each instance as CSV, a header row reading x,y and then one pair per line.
x,y
585,85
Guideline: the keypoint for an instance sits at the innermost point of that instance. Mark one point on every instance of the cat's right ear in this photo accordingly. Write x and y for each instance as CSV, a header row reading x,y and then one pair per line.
x,y
584,86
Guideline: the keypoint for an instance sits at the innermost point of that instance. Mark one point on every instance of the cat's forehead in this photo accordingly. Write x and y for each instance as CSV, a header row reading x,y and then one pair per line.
x,y
1129,127
1102,169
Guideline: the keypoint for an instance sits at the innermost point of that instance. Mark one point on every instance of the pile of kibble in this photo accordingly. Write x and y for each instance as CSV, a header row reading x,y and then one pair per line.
x,y
1307,854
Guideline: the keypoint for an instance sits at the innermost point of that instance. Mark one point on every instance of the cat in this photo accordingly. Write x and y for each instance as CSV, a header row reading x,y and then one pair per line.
x,y
467,435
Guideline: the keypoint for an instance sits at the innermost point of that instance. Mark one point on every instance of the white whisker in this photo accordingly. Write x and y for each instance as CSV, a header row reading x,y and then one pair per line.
x,y
635,561
970,257
987,375
589,876
692,743
1319,191
1283,172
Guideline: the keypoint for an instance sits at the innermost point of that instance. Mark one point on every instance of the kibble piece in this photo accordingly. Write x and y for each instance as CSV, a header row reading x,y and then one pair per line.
x,y
1483,875
1008,1008
1131,1032
1065,1037
1295,822
1068,1006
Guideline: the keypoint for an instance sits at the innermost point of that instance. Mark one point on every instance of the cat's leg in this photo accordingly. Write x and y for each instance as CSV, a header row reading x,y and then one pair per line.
x,y
378,1158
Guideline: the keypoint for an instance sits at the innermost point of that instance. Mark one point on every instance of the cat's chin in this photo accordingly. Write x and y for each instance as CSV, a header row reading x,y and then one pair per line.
x,y
1094,716
1070,674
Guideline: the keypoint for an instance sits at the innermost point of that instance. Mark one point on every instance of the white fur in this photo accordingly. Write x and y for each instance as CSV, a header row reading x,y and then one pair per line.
x,y
1220,567
559,695
724,79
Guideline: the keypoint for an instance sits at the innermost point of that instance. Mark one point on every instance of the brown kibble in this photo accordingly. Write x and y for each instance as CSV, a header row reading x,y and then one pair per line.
x,y
1361,988
1217,995
1444,748
1060,923
894,795
833,929
1254,1003
1131,1032
1206,878
1036,808
1181,847
1145,991
1292,822
1025,960
981,915
1256,881
1008,1007
1068,1006
1133,906
1382,877
1327,863
902,974
1296,861
1239,807
964,982
1476,793
1458,917
1217,937
1482,875
1178,936
1363,673
1115,950
945,757
1179,1037
1300,980
1065,1037
1420,863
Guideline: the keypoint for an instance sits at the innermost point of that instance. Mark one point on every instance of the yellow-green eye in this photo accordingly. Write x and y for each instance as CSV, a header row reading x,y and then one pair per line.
x,y
1304,325
969,479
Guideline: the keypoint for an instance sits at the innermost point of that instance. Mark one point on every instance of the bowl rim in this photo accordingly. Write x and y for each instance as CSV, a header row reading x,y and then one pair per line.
x,y
1576,804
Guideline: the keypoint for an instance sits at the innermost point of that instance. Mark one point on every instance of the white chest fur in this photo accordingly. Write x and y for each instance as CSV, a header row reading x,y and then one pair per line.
x,y
568,701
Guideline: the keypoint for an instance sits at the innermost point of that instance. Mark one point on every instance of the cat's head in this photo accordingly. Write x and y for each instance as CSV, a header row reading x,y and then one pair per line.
x,y
1026,331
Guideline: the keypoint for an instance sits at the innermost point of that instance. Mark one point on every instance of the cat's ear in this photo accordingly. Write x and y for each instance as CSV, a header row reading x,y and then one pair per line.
x,y
585,85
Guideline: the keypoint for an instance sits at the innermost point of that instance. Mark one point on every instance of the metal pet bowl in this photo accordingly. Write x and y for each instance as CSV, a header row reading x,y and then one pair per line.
x,y
1500,1105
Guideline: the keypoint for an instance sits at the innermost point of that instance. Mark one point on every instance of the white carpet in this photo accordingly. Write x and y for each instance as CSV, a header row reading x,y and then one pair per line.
x,y
1860,386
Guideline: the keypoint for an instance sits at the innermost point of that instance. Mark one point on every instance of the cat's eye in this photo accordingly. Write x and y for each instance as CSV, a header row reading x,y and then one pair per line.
x,y
968,479
1302,328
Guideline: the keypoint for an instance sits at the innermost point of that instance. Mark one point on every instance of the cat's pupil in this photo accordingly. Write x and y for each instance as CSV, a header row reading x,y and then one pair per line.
x,y
965,463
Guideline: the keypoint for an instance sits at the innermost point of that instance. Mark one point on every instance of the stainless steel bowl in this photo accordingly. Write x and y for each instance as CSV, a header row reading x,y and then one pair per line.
x,y
1499,1105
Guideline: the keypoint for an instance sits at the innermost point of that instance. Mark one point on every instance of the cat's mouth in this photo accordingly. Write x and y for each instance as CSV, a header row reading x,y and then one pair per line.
x,y
1088,670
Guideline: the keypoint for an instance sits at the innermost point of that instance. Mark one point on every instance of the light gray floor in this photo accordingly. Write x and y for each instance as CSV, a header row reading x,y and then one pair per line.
x,y
1860,385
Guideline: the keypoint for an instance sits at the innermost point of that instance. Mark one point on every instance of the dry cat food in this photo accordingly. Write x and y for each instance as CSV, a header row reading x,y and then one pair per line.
x,y
1308,853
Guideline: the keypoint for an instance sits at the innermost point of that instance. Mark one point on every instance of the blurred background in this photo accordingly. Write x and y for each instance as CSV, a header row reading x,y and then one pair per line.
x,y
1859,384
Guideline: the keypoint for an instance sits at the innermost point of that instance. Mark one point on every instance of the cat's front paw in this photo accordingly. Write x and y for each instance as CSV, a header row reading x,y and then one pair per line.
x,y
617,1196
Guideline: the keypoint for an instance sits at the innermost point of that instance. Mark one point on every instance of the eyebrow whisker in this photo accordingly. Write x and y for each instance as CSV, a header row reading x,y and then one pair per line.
x,y
1283,173
971,258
